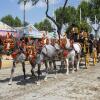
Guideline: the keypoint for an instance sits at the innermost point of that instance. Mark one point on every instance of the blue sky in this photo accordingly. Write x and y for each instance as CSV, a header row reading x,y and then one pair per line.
x,y
33,14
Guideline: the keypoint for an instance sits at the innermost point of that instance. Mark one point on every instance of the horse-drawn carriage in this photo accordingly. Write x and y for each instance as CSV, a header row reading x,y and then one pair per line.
x,y
87,44
89,47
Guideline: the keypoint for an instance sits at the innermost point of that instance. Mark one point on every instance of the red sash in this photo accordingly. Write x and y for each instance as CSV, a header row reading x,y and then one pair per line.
x,y
65,53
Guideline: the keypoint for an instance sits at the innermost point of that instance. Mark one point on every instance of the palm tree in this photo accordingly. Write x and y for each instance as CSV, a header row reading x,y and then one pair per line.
x,y
24,2
33,1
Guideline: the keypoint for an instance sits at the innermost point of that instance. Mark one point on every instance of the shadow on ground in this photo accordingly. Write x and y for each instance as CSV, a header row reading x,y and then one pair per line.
x,y
30,79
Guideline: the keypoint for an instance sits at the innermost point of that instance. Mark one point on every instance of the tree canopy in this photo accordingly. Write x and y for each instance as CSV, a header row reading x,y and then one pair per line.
x,y
72,15
44,25
13,22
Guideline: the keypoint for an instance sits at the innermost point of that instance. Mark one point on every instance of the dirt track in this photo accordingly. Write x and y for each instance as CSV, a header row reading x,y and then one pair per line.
x,y
81,85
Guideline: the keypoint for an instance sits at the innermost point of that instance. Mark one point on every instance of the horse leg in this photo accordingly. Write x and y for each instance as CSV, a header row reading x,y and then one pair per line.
x,y
78,61
67,66
12,72
39,72
54,64
46,65
32,69
50,65
62,65
24,72
32,72
73,65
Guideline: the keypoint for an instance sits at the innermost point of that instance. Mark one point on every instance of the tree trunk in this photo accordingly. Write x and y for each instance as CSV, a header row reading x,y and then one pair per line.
x,y
59,27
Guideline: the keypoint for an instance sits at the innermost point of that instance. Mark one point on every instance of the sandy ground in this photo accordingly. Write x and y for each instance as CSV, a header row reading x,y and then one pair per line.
x,y
81,85
7,61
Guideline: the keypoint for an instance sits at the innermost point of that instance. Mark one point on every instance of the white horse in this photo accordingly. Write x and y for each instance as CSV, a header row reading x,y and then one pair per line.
x,y
20,58
78,49
50,52
74,52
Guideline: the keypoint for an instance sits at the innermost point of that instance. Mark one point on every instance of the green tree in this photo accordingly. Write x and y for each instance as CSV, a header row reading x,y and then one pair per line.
x,y
9,20
44,25
85,9
95,9
81,26
13,22
89,9
69,15
17,22
84,26
72,17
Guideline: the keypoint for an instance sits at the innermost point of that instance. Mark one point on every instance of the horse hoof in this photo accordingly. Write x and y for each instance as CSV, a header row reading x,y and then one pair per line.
x,y
67,73
55,77
73,71
24,78
10,83
31,77
85,67
45,79
77,69
38,83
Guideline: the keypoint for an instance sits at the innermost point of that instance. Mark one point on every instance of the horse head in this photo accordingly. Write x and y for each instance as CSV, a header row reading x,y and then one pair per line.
x,y
63,42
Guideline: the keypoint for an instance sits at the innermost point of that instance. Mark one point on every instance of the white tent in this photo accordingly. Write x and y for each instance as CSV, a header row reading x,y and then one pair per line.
x,y
30,30
4,28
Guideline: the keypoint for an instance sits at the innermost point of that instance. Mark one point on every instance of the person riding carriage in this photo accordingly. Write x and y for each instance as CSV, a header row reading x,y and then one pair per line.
x,y
74,34
84,39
